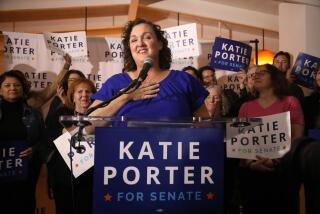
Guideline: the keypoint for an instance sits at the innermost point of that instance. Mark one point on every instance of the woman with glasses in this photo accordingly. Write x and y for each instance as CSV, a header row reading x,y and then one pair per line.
x,y
264,183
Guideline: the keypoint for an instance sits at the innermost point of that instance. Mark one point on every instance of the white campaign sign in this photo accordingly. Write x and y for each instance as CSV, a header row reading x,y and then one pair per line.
x,y
183,40
271,139
73,43
80,162
29,53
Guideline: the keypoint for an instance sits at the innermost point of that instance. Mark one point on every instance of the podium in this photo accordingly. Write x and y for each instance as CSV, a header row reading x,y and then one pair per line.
x,y
155,165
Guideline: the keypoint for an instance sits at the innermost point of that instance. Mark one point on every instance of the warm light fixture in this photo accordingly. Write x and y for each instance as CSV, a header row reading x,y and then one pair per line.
x,y
264,56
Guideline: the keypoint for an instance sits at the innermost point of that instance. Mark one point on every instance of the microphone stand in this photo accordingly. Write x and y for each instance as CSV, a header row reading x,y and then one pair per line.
x,y
78,136
133,85
75,141
147,64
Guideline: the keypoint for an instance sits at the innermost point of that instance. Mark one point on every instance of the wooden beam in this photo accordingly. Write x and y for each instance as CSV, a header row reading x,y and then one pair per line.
x,y
108,10
62,13
117,30
148,13
114,30
147,2
133,10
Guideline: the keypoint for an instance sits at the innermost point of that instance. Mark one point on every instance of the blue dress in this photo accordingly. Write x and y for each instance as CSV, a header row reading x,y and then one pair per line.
x,y
180,95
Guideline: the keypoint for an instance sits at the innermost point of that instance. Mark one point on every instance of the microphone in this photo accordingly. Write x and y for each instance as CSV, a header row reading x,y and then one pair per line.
x,y
147,64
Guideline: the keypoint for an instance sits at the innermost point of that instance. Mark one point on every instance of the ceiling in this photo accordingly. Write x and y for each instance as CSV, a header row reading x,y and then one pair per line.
x,y
265,6
262,14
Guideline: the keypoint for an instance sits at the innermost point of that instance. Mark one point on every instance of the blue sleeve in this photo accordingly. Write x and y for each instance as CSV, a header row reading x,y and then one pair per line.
x,y
110,87
195,91
198,93
104,93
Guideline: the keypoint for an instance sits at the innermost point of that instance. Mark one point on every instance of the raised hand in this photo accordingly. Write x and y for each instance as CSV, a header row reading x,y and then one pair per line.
x,y
67,59
290,76
60,94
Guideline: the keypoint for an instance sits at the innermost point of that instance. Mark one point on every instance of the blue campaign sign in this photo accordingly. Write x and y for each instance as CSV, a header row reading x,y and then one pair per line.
x,y
12,167
165,170
304,69
314,133
230,55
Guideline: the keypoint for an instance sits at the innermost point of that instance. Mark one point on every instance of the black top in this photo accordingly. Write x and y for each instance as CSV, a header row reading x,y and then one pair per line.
x,y
296,91
59,172
11,123
311,108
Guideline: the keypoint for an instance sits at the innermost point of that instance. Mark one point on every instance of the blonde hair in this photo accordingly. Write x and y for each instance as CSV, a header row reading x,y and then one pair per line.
x,y
70,94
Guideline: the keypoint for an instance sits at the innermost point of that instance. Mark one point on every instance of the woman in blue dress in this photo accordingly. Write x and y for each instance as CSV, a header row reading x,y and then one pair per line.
x,y
164,92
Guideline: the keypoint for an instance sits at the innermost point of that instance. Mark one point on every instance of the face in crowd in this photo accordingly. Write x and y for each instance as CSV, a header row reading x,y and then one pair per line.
x,y
282,63
11,89
71,76
79,94
209,77
13,86
269,77
250,74
262,79
192,73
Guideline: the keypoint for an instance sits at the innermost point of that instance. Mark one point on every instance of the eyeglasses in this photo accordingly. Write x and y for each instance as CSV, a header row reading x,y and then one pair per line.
x,y
72,79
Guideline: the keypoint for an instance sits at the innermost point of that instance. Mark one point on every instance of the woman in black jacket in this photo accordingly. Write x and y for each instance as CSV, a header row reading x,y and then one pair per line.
x,y
21,128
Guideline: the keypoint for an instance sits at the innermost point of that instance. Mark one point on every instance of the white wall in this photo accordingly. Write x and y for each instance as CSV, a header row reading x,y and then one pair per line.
x,y
299,29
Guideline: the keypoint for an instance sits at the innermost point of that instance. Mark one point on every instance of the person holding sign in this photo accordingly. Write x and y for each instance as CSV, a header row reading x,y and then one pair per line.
x,y
246,79
21,131
264,181
282,61
38,99
163,93
312,105
77,103
310,151
192,71
229,99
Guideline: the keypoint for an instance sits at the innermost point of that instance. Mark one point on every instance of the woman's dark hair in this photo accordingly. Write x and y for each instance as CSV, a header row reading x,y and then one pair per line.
x,y
20,77
278,80
195,71
285,54
64,81
164,54
203,68
69,101
316,86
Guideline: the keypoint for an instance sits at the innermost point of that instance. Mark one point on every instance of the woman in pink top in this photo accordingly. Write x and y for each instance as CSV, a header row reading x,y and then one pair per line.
x,y
264,182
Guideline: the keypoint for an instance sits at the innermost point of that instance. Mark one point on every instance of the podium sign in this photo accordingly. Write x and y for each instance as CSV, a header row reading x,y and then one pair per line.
x,y
165,170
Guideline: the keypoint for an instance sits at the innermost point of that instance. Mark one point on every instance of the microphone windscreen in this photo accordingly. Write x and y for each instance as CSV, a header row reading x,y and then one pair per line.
x,y
148,61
